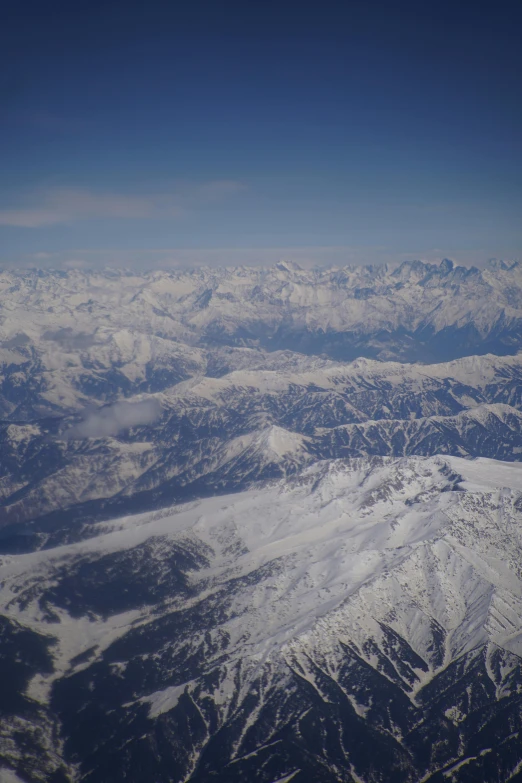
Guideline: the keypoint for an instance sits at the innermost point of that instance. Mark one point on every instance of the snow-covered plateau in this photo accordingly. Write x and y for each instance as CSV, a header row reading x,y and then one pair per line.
x,y
261,525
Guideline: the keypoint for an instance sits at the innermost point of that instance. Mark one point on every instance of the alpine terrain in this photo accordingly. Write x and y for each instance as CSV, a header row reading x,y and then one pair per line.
x,y
261,525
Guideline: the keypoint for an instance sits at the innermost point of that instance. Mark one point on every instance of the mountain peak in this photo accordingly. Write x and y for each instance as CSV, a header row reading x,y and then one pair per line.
x,y
499,263
288,266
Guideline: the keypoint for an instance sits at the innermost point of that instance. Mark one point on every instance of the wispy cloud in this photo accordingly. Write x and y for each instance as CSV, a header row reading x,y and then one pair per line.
x,y
112,419
68,205
144,259
42,255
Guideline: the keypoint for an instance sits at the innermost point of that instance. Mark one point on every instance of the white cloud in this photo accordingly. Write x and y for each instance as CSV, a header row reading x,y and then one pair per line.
x,y
68,205
104,422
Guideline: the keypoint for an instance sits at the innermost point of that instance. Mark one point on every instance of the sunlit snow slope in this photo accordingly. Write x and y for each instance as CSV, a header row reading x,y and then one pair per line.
x,y
358,621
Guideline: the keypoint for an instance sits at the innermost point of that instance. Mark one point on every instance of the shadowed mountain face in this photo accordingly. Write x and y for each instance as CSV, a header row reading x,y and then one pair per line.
x,y
231,550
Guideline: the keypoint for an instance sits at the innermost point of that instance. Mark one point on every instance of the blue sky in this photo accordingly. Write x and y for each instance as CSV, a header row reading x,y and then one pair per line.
x,y
242,132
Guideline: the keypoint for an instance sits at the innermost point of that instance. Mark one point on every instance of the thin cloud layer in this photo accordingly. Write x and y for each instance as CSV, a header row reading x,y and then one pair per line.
x,y
68,205
147,259
112,419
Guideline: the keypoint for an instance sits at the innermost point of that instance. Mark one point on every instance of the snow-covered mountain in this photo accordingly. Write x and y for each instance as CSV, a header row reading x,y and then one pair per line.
x,y
211,435
360,621
261,525
71,337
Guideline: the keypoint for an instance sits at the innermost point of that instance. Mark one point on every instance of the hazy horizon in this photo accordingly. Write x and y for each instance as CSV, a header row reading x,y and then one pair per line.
x,y
219,258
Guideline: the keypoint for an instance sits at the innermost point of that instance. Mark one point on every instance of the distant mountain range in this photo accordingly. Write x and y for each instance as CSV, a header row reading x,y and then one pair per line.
x,y
72,337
